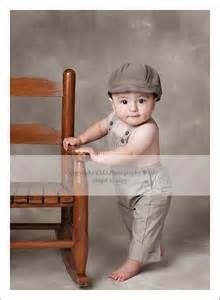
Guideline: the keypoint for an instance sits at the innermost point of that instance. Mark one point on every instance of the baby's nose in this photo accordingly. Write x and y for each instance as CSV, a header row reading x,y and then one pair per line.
x,y
133,107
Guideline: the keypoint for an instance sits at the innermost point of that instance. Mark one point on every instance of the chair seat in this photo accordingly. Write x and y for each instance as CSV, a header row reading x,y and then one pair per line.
x,y
29,194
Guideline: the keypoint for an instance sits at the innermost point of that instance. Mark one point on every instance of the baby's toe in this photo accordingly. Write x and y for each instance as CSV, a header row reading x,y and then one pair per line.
x,y
113,275
122,277
116,276
119,276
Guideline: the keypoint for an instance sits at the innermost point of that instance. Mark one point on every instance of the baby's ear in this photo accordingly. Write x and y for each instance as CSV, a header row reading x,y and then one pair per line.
x,y
155,100
112,103
156,97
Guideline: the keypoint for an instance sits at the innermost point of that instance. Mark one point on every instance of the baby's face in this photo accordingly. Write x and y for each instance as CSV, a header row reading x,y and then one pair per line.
x,y
133,108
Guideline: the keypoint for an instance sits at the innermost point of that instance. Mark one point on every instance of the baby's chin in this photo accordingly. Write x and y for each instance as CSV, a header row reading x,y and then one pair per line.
x,y
135,121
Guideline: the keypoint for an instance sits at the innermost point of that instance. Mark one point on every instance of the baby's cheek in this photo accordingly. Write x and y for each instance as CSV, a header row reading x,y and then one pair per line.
x,y
123,111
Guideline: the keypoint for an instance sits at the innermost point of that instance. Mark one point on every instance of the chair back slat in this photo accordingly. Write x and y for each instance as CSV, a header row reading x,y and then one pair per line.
x,y
43,87
35,87
34,134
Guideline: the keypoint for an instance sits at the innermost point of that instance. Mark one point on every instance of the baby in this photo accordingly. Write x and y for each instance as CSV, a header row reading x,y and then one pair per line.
x,y
133,90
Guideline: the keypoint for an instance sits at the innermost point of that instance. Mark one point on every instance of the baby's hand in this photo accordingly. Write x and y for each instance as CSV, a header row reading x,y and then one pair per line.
x,y
86,150
72,141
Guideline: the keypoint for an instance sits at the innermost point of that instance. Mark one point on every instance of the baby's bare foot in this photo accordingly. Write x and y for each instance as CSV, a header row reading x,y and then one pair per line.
x,y
129,269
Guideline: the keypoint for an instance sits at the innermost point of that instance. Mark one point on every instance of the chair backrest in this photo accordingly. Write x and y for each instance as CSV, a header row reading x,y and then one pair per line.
x,y
43,87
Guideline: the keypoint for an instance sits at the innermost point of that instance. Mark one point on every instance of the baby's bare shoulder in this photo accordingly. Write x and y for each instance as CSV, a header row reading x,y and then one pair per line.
x,y
142,138
149,128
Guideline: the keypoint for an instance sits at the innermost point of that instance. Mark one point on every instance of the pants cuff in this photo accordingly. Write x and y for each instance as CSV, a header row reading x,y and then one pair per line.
x,y
138,252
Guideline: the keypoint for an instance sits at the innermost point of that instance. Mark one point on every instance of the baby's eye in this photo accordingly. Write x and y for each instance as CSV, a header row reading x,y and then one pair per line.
x,y
141,100
124,101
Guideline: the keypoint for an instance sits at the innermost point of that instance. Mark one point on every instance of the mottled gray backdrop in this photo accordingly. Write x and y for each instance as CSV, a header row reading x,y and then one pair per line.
x,y
94,43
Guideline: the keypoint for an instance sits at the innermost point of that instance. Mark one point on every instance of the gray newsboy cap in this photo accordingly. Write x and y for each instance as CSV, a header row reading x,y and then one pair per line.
x,y
133,77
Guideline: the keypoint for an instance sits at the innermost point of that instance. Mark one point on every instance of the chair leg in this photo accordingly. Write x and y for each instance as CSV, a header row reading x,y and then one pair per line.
x,y
80,234
75,259
66,215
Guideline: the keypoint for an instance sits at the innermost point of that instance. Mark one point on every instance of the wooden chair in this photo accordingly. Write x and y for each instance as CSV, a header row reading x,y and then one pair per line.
x,y
72,231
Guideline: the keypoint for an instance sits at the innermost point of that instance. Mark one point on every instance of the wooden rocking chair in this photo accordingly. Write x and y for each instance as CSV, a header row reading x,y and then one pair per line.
x,y
72,232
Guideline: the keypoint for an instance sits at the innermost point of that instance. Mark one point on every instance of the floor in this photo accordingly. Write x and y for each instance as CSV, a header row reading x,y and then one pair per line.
x,y
185,265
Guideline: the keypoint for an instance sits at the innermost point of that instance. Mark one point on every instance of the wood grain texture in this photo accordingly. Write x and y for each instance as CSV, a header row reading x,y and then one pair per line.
x,y
34,134
80,217
35,226
35,87
42,244
40,194
27,205
36,193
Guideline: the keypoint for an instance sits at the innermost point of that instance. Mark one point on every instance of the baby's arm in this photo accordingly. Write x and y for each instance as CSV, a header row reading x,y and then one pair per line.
x,y
138,143
94,132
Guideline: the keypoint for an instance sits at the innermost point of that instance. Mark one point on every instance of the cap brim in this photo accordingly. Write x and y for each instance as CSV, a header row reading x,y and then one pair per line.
x,y
134,88
130,89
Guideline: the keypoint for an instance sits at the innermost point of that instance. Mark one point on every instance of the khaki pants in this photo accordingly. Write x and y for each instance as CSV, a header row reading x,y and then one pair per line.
x,y
144,220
